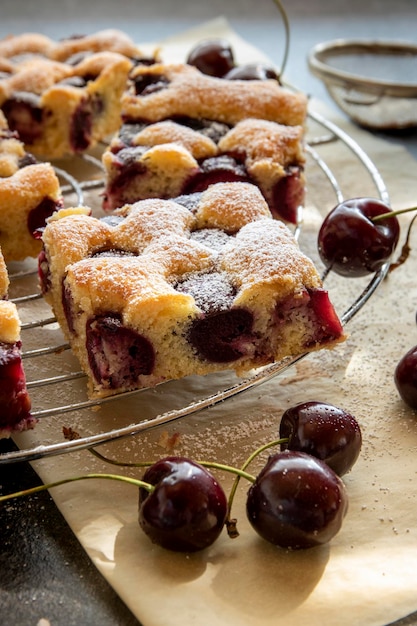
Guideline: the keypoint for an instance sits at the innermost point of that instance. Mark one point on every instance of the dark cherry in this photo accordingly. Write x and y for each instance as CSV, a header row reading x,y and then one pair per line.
x,y
219,169
213,57
127,132
27,159
189,201
36,220
405,377
324,431
297,501
24,115
15,403
187,510
78,57
212,292
222,337
288,195
118,355
146,84
82,123
209,128
130,167
74,81
351,243
251,71
327,324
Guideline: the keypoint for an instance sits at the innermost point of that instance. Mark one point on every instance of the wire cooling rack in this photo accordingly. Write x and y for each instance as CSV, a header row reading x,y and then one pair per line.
x,y
57,386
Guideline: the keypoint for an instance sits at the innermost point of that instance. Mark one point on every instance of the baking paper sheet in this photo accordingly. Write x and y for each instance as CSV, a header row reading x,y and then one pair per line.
x,y
367,575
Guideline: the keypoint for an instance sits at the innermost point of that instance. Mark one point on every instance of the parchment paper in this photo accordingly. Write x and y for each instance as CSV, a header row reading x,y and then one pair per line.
x,y
367,575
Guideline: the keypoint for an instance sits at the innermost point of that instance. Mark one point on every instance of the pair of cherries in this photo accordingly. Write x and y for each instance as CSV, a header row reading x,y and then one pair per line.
x,y
297,501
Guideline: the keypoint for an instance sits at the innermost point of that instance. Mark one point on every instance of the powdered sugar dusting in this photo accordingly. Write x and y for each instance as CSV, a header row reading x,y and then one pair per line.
x,y
196,95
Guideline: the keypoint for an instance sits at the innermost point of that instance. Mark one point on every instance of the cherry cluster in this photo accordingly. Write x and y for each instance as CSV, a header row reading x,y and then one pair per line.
x,y
215,57
297,501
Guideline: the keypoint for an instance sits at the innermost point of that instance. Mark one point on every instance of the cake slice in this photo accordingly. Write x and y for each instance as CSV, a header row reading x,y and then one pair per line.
x,y
184,130
64,97
29,193
163,289
15,404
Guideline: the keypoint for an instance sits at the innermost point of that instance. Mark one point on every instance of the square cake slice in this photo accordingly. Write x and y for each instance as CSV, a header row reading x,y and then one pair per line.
x,y
29,193
184,130
64,97
15,403
163,289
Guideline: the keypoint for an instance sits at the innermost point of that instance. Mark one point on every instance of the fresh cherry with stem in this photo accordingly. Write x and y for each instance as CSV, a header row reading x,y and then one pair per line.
x,y
358,237
182,507
187,509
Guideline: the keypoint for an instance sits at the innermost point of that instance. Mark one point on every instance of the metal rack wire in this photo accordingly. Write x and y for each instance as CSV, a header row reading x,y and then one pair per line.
x,y
46,320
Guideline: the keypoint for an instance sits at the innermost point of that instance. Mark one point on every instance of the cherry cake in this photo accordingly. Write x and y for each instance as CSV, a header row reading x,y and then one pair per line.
x,y
29,193
64,97
184,130
162,289
15,404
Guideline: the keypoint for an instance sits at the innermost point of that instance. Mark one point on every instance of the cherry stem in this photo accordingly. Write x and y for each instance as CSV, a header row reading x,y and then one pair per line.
x,y
209,464
231,523
285,20
377,218
32,490
405,251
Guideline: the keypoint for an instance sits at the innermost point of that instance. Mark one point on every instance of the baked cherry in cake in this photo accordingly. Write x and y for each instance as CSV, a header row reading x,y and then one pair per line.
x,y
15,403
184,131
163,289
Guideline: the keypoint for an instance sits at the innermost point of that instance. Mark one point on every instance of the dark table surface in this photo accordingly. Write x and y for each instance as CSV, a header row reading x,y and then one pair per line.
x,y
45,575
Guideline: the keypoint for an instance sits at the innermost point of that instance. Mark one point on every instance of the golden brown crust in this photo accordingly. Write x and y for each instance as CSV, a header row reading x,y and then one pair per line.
x,y
193,94
19,195
11,150
35,75
9,322
35,43
131,269
103,40
38,70
26,43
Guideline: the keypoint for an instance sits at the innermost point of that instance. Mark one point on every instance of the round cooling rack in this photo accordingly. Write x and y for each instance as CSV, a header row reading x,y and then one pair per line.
x,y
58,388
